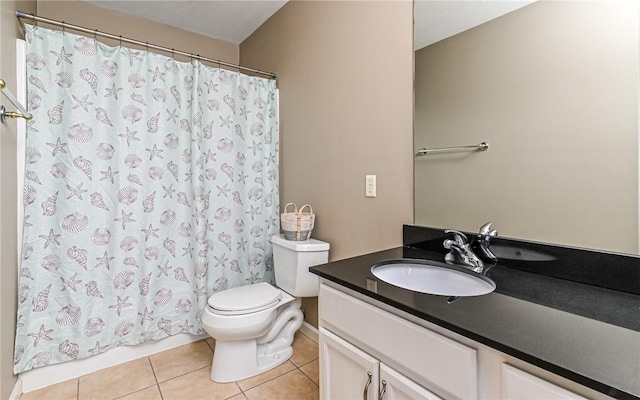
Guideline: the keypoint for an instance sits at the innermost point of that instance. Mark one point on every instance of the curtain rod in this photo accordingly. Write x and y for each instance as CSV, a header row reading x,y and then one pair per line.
x,y
147,45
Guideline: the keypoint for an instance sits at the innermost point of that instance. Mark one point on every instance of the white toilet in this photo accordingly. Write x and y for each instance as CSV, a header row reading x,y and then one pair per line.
x,y
253,325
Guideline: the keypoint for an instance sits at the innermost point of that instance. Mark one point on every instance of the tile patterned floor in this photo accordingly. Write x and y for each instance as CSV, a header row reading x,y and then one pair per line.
x,y
183,374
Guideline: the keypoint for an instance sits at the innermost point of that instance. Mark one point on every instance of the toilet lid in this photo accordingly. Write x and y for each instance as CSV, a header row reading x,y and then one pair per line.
x,y
243,298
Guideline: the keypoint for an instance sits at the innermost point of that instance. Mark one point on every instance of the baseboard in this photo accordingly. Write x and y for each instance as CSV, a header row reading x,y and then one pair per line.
x,y
45,376
309,331
16,392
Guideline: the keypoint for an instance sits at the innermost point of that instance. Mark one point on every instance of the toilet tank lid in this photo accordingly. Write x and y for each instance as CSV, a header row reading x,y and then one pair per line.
x,y
245,297
302,245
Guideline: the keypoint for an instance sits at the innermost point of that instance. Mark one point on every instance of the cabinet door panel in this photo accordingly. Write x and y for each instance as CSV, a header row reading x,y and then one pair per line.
x,y
345,370
399,387
521,385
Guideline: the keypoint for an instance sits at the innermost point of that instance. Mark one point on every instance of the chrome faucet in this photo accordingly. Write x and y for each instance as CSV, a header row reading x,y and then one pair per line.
x,y
474,255
461,253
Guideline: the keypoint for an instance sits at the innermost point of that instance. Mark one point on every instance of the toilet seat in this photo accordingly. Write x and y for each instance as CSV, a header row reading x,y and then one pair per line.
x,y
244,299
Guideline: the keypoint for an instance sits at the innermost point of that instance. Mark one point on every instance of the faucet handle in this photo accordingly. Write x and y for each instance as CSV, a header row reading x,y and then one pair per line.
x,y
459,237
486,230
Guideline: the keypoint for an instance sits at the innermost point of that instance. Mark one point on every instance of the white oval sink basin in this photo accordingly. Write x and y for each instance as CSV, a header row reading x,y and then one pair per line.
x,y
433,277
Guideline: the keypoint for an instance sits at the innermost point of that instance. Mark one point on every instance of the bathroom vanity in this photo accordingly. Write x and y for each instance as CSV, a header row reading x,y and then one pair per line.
x,y
536,336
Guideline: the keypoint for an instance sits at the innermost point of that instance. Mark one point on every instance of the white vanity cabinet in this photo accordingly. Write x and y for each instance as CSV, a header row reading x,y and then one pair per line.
x,y
371,353
350,373
357,337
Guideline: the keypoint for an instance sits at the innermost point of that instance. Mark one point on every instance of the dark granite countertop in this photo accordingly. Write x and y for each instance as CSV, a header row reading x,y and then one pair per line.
x,y
585,333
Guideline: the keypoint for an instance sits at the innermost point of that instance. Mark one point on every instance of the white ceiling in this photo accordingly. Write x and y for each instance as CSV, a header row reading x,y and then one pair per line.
x,y
436,20
229,20
235,20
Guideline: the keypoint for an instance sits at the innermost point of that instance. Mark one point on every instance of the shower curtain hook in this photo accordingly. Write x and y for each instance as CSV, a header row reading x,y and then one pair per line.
x,y
120,40
63,28
173,54
95,35
35,21
147,46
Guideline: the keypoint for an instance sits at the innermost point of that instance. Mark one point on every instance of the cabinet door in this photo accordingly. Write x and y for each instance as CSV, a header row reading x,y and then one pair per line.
x,y
521,385
346,372
395,386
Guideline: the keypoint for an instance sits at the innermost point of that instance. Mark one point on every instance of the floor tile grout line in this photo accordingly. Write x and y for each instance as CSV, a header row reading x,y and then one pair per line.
x,y
160,391
307,376
78,379
265,382
153,370
241,391
181,375
155,377
136,391
268,380
307,363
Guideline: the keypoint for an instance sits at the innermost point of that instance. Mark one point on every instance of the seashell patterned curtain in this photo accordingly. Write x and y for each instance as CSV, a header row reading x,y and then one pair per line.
x,y
150,184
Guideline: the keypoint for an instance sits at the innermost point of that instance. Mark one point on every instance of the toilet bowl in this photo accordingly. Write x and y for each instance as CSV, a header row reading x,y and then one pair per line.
x,y
254,325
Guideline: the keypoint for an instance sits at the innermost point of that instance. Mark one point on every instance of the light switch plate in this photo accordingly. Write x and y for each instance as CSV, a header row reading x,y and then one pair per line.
x,y
370,186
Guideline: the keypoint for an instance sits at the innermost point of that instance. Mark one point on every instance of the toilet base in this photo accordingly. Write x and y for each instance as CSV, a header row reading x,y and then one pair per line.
x,y
235,361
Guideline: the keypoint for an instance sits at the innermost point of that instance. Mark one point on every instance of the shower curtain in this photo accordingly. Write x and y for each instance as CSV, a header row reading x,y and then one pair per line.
x,y
149,185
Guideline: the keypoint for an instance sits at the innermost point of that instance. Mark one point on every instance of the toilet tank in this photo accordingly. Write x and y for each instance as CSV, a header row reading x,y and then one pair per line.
x,y
291,262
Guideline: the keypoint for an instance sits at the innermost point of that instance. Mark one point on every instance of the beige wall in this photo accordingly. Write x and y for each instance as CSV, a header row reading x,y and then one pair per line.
x,y
346,105
92,17
553,87
345,79
9,31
